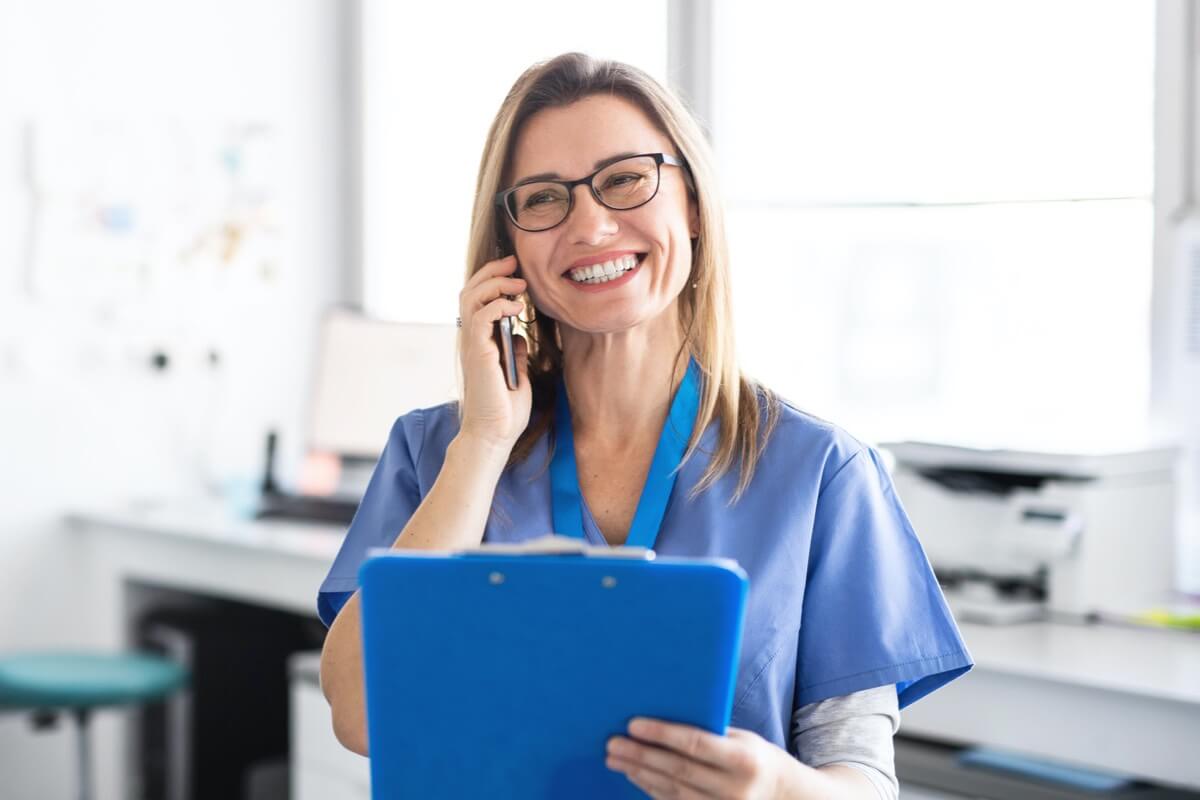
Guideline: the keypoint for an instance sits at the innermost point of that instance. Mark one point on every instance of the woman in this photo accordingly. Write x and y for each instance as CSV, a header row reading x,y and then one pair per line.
x,y
596,202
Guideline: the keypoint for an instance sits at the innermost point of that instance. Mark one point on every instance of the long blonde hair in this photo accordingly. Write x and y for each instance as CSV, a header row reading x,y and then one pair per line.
x,y
706,312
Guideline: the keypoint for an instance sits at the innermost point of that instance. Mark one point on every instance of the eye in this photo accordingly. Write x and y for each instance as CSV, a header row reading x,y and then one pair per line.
x,y
540,199
621,179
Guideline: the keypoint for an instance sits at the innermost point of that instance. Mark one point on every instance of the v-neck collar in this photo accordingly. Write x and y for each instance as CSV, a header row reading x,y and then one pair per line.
x,y
591,527
570,512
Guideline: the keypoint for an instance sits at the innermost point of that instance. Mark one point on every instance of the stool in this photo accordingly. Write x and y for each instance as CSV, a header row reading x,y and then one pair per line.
x,y
80,682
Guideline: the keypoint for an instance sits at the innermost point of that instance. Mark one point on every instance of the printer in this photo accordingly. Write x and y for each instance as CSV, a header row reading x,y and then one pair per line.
x,y
1014,536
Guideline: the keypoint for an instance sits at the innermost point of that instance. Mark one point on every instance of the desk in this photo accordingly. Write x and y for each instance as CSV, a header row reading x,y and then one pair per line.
x,y
1118,698
197,548
203,548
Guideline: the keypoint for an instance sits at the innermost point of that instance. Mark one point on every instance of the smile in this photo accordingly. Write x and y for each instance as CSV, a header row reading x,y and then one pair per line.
x,y
606,271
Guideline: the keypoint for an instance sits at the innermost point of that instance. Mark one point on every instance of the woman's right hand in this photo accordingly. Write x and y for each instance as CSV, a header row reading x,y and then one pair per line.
x,y
492,414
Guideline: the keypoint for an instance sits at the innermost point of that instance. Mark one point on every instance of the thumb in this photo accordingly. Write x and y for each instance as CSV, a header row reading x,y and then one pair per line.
x,y
740,733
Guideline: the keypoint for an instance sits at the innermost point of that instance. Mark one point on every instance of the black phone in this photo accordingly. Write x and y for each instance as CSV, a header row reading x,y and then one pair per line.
x,y
508,353
503,333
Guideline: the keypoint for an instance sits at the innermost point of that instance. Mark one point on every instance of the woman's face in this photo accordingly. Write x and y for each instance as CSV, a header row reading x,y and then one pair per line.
x,y
570,142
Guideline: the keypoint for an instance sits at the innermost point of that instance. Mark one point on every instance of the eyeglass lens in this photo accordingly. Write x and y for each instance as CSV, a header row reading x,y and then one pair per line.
x,y
624,184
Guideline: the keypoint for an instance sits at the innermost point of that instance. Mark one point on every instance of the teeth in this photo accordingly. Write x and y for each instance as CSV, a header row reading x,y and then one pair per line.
x,y
599,273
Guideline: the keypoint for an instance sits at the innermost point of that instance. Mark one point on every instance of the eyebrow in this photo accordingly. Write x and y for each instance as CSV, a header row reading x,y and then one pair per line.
x,y
554,176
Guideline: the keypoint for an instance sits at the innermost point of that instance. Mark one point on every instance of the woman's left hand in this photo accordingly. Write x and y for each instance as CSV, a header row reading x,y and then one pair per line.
x,y
668,760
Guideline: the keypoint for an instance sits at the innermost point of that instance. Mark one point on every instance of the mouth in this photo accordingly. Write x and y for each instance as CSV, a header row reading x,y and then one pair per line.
x,y
606,271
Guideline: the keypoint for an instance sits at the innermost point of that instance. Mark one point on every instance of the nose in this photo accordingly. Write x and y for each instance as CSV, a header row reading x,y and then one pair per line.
x,y
589,222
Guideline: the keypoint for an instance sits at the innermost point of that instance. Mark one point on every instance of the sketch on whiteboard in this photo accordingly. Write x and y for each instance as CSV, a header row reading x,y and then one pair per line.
x,y
126,211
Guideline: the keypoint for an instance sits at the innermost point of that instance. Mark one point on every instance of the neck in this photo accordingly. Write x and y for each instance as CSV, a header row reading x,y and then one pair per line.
x,y
620,385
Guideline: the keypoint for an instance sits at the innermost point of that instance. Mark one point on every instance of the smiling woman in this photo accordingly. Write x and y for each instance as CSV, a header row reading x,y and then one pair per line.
x,y
571,123
596,204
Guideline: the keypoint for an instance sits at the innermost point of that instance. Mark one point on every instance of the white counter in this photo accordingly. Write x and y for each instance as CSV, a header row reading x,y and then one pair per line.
x,y
1117,698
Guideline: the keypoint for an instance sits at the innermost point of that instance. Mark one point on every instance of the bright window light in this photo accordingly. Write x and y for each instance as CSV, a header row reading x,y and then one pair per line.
x,y
944,231
428,100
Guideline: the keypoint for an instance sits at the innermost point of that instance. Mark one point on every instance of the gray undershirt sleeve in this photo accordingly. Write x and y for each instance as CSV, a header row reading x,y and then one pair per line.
x,y
854,730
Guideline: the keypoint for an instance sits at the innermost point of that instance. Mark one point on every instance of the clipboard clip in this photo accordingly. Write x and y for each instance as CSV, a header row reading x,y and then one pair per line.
x,y
553,544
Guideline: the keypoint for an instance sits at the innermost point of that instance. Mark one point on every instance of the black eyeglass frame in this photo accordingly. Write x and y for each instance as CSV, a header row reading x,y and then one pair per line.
x,y
659,160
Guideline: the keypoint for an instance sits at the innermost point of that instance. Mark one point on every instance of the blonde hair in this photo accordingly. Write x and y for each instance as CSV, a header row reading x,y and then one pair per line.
x,y
706,311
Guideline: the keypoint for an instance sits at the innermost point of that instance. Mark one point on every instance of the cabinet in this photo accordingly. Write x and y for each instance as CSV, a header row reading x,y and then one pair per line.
x,y
321,767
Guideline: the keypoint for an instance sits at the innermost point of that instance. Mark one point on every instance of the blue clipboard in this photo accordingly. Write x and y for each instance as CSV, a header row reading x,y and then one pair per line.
x,y
505,675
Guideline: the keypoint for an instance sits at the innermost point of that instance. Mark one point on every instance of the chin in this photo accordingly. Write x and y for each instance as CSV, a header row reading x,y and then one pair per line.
x,y
608,327
617,323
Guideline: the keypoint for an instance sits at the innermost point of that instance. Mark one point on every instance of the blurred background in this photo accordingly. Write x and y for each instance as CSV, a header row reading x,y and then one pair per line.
x,y
232,237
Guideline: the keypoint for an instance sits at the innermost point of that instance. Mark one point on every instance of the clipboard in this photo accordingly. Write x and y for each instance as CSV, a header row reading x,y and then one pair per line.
x,y
503,674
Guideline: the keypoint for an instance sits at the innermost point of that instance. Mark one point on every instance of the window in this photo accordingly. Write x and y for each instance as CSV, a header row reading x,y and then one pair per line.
x,y
940,213
433,77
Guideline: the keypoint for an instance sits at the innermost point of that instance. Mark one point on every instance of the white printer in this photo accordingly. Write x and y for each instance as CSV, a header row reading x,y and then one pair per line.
x,y
1018,535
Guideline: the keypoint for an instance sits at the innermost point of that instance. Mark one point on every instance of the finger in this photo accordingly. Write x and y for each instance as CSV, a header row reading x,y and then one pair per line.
x,y
492,269
656,784
483,319
502,268
696,743
633,778
702,777
472,300
741,734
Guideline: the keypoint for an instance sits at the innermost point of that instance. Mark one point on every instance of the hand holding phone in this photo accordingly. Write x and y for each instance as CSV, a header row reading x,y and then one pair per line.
x,y
497,398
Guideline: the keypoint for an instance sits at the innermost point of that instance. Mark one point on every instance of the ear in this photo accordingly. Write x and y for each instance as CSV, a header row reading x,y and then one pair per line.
x,y
693,216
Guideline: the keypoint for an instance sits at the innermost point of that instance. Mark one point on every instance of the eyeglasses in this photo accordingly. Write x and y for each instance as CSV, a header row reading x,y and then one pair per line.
x,y
621,185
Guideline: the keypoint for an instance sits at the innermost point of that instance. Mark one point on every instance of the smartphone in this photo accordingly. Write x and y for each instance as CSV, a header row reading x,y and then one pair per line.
x,y
503,333
508,353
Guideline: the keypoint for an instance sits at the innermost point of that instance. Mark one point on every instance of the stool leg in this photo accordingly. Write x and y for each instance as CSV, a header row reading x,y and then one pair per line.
x,y
85,759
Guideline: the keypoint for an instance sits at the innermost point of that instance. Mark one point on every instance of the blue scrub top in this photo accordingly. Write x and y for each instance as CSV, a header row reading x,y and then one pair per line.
x,y
841,598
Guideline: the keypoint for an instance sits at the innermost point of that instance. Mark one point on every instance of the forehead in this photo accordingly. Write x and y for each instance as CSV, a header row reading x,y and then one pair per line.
x,y
569,140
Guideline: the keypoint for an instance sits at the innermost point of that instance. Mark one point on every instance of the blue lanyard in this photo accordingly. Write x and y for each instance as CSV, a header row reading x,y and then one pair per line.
x,y
566,501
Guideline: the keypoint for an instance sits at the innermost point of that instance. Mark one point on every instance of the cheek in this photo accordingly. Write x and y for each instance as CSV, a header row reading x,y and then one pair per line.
x,y
673,220
528,253
674,240
534,259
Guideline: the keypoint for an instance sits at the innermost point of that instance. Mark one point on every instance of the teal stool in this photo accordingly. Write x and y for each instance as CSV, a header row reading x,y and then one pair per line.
x,y
80,682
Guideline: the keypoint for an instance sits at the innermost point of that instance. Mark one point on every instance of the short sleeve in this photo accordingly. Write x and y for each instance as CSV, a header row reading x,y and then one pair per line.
x,y
391,497
873,611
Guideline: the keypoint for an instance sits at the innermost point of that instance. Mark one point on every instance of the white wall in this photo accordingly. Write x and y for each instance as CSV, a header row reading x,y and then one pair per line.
x,y
83,420
1175,381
